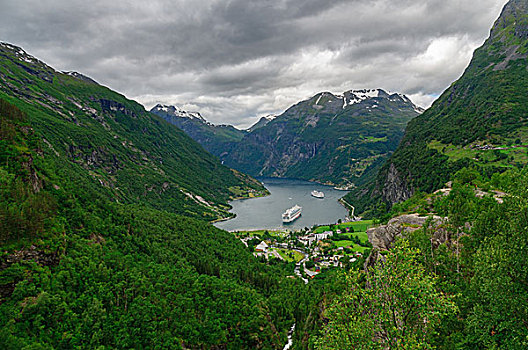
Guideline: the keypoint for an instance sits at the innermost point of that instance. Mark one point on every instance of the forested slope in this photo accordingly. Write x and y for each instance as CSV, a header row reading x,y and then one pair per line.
x,y
480,120
112,145
456,282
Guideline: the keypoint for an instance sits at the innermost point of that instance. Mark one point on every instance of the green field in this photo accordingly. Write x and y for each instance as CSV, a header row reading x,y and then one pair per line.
x,y
285,253
505,157
362,235
359,226
347,243
344,243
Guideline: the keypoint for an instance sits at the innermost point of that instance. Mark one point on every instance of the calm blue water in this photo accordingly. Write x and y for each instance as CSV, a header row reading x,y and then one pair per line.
x,y
265,212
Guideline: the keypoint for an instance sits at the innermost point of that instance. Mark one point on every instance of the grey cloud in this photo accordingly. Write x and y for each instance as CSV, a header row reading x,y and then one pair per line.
x,y
234,60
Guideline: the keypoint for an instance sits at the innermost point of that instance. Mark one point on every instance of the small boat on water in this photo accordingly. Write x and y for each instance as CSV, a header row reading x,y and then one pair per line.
x,y
291,214
317,194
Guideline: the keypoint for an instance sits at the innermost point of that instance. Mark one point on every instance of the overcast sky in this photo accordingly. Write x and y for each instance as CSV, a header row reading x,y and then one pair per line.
x,y
237,60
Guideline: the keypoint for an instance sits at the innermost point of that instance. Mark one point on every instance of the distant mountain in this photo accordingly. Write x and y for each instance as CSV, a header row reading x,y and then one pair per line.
x,y
214,138
112,145
262,122
335,139
481,120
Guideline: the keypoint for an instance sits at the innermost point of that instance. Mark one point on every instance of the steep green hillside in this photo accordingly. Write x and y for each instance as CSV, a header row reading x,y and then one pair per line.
x,y
214,138
79,269
339,140
481,120
262,122
112,145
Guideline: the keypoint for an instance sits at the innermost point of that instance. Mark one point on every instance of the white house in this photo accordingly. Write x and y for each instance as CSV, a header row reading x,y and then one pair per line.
x,y
262,247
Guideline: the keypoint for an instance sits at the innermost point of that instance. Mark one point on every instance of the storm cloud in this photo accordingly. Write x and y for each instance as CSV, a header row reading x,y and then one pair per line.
x,y
237,60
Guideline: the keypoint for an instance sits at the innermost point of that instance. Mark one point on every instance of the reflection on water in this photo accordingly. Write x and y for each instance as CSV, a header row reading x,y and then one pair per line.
x,y
265,212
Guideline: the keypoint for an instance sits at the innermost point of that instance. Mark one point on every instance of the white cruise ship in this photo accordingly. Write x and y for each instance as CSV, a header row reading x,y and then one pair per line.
x,y
317,194
291,214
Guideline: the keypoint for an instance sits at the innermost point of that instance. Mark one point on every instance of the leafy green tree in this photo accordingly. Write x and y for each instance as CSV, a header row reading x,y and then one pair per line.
x,y
499,318
395,305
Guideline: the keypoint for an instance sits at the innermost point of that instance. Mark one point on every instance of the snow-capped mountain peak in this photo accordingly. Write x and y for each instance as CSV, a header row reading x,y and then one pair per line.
x,y
356,96
263,121
178,112
353,97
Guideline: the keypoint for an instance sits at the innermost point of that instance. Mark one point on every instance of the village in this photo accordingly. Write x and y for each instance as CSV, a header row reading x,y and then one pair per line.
x,y
312,250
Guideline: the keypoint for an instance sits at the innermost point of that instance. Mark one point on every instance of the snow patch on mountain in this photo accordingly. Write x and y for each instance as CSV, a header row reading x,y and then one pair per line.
x,y
80,76
263,121
353,97
178,112
20,53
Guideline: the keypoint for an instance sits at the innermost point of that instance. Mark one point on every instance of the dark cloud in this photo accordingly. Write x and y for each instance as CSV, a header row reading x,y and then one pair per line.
x,y
234,60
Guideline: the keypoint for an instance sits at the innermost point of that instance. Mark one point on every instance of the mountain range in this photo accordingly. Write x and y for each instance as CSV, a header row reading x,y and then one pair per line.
x,y
333,139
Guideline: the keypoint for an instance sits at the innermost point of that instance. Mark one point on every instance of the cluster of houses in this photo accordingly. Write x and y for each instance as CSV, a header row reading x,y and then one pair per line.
x,y
482,147
311,238
333,258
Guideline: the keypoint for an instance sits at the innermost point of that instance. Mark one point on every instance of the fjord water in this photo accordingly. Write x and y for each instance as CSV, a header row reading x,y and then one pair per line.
x,y
266,212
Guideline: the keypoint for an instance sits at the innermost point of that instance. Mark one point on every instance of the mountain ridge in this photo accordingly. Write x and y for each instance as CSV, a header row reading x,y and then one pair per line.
x,y
263,121
301,132
114,143
332,139
214,138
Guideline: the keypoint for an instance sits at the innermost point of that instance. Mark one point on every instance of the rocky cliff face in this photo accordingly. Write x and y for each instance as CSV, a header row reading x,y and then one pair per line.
x,y
384,236
31,254
395,187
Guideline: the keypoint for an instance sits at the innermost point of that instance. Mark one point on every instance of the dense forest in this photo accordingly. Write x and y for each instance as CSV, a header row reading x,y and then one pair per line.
x,y
103,274
79,270
457,285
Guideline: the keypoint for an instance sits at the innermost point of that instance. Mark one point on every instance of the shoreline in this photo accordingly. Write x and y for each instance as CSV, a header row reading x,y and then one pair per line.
x,y
267,193
347,206
222,219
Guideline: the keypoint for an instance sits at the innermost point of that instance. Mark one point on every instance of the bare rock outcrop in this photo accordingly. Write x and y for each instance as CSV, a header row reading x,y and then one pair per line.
x,y
395,188
29,254
384,236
